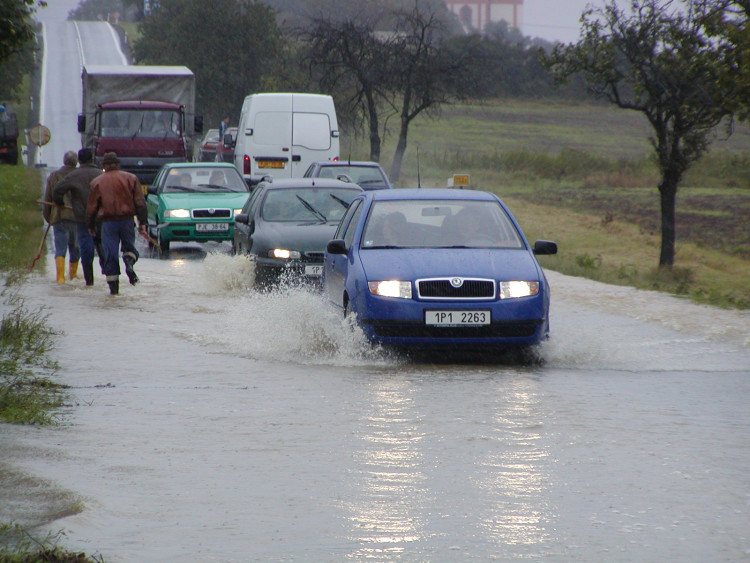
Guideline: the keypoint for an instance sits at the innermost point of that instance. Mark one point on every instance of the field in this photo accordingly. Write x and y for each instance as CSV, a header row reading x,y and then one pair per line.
x,y
582,174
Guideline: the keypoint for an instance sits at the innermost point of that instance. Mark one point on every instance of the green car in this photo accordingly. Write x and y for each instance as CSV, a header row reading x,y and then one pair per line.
x,y
194,202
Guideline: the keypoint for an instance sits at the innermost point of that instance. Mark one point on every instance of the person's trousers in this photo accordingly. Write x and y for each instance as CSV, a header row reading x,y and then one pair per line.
x,y
66,240
85,243
117,235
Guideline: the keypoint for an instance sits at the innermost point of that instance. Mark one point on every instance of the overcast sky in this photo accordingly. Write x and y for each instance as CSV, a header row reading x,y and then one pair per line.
x,y
555,20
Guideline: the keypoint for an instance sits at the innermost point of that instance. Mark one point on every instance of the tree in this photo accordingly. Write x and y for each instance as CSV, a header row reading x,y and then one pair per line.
x,y
352,59
16,27
423,74
658,61
234,47
728,23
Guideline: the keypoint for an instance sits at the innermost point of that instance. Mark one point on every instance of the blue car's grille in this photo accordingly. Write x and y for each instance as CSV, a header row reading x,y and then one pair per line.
x,y
212,213
314,257
456,288
520,330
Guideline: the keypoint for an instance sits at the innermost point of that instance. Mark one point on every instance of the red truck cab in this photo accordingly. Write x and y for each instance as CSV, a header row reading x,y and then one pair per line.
x,y
144,134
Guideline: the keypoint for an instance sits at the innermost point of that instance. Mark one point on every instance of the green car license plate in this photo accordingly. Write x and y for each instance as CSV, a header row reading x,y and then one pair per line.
x,y
212,227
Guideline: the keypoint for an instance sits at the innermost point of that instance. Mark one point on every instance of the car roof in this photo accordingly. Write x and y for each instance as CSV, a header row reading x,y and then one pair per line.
x,y
199,165
367,163
291,183
430,193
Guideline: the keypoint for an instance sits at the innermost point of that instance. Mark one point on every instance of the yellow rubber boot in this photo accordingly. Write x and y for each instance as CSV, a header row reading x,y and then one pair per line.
x,y
60,266
73,272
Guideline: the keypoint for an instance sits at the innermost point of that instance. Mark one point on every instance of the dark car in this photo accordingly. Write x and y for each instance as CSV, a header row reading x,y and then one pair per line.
x,y
207,148
286,224
438,269
194,201
225,146
367,175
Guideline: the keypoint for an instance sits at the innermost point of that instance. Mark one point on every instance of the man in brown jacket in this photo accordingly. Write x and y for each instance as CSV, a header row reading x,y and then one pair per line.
x,y
75,189
116,197
62,221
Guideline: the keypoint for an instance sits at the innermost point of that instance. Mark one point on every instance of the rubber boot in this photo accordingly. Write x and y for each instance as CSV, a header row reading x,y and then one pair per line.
x,y
88,273
114,287
129,261
73,271
60,267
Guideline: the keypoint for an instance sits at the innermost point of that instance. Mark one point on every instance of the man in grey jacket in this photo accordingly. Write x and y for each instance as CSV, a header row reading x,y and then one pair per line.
x,y
77,184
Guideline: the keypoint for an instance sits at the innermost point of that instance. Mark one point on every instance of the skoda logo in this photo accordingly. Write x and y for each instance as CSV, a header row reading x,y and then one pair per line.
x,y
211,211
457,282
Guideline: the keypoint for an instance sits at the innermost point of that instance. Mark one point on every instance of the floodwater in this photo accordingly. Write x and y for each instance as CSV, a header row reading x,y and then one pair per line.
x,y
208,422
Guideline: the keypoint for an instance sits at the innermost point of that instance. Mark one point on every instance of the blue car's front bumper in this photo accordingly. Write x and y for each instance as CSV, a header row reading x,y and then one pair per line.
x,y
515,323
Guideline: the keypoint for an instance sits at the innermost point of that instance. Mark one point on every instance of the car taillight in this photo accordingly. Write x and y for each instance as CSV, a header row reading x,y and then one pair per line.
x,y
246,164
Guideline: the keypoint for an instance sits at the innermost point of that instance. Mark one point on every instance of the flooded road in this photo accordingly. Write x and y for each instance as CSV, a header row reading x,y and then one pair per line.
x,y
214,423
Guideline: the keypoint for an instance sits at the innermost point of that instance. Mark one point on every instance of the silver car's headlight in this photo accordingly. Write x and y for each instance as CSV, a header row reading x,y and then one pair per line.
x,y
515,289
284,254
177,213
391,288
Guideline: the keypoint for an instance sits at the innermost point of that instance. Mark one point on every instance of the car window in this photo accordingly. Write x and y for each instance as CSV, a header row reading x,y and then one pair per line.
x,y
204,179
346,219
307,204
439,224
351,228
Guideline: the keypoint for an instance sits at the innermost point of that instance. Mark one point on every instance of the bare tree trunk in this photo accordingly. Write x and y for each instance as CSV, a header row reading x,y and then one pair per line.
x,y
372,111
668,193
398,156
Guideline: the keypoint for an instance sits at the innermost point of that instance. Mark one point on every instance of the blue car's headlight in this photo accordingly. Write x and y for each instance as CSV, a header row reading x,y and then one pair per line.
x,y
391,288
515,289
177,213
284,254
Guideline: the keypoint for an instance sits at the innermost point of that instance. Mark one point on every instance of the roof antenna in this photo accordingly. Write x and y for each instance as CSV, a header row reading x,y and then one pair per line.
x,y
419,178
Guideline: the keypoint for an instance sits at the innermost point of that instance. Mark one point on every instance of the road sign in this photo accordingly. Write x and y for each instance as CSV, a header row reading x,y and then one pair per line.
x,y
460,180
39,135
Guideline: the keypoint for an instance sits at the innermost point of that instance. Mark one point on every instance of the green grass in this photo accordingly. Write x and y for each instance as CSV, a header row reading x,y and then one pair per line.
x,y
583,175
17,545
20,233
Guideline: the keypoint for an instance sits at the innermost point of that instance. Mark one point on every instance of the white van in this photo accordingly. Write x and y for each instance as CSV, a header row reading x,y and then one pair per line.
x,y
280,135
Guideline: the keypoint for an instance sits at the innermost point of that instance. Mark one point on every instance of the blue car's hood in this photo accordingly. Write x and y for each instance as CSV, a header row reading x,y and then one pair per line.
x,y
411,264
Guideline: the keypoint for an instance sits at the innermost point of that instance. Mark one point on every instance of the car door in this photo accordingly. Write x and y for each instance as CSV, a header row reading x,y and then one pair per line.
x,y
337,265
152,200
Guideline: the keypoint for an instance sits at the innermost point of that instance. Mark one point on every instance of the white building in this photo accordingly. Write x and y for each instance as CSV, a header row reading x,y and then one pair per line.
x,y
476,14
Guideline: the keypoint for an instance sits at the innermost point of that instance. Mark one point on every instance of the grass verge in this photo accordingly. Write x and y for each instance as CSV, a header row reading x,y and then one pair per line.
x,y
17,545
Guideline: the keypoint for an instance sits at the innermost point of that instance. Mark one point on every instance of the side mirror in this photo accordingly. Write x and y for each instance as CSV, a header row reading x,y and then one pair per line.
x,y
198,124
152,190
81,123
336,246
228,141
542,247
242,218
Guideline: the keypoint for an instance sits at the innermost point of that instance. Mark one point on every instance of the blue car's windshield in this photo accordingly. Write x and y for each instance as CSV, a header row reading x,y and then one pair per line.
x,y
307,204
439,224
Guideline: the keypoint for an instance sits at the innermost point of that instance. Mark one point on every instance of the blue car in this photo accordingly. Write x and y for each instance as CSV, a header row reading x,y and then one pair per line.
x,y
438,269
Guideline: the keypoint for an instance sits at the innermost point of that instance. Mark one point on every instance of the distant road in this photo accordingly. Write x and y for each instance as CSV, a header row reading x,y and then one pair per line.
x,y
67,46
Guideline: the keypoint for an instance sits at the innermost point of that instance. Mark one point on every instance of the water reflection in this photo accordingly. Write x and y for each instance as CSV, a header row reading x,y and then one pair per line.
x,y
513,474
385,512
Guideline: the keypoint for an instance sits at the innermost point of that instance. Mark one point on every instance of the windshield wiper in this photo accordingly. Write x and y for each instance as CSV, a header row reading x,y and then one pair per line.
x,y
341,201
311,209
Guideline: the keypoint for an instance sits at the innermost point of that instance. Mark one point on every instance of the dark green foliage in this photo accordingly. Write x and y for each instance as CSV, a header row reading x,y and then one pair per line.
x,y
234,47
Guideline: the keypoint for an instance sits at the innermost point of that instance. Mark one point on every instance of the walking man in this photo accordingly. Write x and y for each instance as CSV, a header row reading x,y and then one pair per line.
x,y
63,221
116,197
75,188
